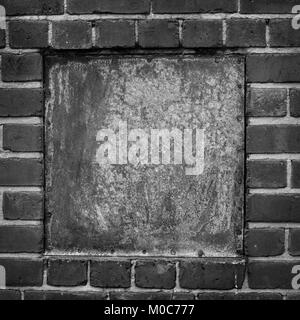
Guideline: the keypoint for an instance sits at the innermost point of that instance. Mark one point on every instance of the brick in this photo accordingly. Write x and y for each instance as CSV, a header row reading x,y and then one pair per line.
x,y
140,296
2,38
111,34
23,272
63,295
110,274
183,296
22,67
265,242
28,34
23,138
21,172
246,33
21,239
205,34
158,34
108,6
21,102
267,6
293,296
67,273
294,242
155,274
295,102
211,274
267,174
196,6
273,139
23,205
266,102
282,34
10,295
71,35
273,208
296,174
273,68
239,296
271,274
33,7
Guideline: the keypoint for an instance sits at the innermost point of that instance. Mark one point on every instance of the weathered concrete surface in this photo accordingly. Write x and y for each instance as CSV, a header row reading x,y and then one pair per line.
x,y
129,209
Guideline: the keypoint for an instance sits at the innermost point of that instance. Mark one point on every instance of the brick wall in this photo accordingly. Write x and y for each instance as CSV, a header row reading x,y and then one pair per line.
x,y
260,30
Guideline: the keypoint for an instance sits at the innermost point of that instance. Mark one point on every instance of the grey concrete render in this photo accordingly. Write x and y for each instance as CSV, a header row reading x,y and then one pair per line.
x,y
134,208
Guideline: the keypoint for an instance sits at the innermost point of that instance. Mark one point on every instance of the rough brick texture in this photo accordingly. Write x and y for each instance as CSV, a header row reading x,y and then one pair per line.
x,y
294,242
33,7
21,172
67,273
108,6
110,274
239,296
196,6
63,295
23,67
71,35
211,274
183,296
267,6
7,295
267,174
202,34
2,38
140,296
295,102
23,272
21,239
23,206
158,34
270,274
296,174
273,68
246,33
293,296
282,34
273,208
266,102
23,138
21,102
273,139
155,274
265,242
28,34
113,34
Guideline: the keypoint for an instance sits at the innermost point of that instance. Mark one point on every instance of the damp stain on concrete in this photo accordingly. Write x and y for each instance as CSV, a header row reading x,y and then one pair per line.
x,y
132,209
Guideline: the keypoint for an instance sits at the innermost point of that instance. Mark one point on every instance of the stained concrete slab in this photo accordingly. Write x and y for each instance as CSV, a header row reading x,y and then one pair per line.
x,y
144,208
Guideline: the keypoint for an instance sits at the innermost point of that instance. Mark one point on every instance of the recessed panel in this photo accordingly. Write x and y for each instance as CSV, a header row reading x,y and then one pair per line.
x,y
145,155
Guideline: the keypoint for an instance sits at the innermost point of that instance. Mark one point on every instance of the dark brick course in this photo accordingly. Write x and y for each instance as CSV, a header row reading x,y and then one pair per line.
x,y
267,174
23,206
218,275
67,273
22,67
155,274
21,102
265,242
111,274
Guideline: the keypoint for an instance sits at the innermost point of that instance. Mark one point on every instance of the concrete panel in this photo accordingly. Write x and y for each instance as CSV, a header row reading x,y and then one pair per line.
x,y
110,188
